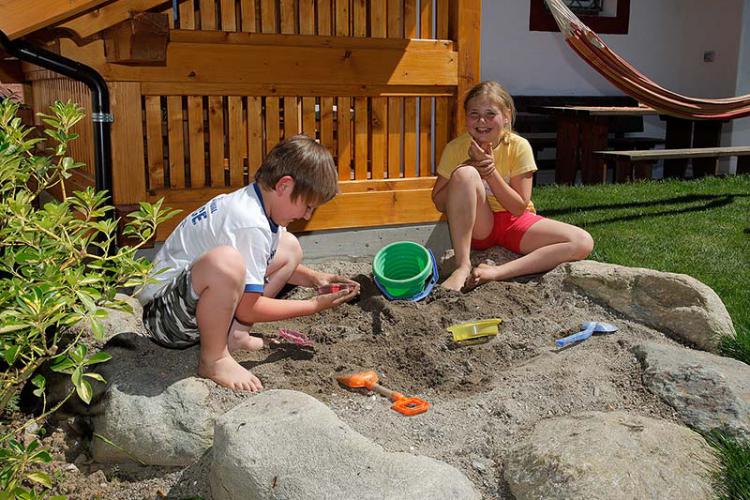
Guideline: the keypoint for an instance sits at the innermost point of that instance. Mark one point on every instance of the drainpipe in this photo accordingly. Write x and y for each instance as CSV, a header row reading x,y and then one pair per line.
x,y
100,114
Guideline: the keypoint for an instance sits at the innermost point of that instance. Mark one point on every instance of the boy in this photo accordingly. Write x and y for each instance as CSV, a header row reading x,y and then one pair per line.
x,y
226,262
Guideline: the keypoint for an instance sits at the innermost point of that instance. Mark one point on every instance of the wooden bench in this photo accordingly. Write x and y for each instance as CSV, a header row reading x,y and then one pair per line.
x,y
637,164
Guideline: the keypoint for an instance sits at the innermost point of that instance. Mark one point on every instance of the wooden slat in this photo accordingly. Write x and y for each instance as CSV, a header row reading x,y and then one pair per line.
x,y
170,17
342,18
306,17
273,126
287,13
176,142
344,119
325,18
268,16
425,19
308,117
196,142
361,136
21,17
254,134
154,142
291,117
442,126
216,139
378,19
228,15
237,141
187,15
395,19
310,89
379,121
128,171
208,14
410,19
249,21
410,137
326,123
395,139
442,19
359,18
425,136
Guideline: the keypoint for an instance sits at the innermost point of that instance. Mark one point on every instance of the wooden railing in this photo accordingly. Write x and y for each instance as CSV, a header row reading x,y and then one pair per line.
x,y
375,81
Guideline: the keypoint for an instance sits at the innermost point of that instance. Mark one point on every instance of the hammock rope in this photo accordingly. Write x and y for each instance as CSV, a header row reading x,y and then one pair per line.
x,y
592,49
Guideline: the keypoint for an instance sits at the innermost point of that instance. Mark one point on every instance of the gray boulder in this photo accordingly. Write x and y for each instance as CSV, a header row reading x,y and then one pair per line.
x,y
675,304
708,391
614,455
286,444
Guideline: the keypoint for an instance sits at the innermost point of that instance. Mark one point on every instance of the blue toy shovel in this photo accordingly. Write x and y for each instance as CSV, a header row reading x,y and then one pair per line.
x,y
589,328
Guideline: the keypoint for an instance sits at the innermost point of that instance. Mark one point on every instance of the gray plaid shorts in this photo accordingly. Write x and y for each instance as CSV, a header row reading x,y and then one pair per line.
x,y
170,316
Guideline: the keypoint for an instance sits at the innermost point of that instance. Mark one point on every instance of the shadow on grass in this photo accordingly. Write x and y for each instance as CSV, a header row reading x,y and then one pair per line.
x,y
713,202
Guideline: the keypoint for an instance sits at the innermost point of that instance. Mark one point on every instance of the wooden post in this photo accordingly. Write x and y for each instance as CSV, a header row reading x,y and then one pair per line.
x,y
678,136
141,39
593,137
566,150
468,14
706,134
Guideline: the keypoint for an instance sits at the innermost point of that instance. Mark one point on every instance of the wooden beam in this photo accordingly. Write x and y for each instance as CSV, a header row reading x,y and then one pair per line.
x,y
468,38
274,65
301,88
21,17
91,23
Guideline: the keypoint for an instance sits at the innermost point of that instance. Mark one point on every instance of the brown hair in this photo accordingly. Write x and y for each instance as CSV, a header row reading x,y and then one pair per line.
x,y
499,96
307,162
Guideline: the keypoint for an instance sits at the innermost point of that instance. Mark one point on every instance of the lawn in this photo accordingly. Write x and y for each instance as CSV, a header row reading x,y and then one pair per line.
x,y
700,228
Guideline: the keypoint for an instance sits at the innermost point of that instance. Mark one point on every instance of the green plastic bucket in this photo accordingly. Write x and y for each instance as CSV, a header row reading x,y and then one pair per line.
x,y
402,269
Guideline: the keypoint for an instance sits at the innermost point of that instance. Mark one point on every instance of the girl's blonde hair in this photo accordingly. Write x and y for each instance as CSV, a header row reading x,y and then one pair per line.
x,y
500,97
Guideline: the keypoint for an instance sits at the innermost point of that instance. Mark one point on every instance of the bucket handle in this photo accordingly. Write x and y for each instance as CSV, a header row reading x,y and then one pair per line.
x,y
420,295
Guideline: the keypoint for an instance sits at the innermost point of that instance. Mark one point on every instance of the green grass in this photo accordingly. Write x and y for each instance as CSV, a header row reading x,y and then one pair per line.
x,y
700,228
732,479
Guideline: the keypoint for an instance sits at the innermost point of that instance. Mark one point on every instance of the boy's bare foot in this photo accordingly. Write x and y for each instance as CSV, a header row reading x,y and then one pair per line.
x,y
226,371
457,279
240,340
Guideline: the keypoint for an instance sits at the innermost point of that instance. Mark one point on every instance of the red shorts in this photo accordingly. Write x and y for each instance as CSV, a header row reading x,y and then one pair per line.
x,y
507,231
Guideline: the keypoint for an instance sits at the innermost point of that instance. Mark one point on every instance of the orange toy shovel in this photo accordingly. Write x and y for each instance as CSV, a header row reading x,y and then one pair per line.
x,y
369,380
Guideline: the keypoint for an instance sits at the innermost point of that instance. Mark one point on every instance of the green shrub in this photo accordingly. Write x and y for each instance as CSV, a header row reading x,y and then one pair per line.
x,y
58,267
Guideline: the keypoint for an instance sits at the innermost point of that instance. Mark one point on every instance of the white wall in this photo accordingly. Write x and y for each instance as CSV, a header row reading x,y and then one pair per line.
x,y
666,42
741,127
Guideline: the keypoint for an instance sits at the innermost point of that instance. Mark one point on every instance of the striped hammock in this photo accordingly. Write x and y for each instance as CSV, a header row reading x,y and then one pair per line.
x,y
622,75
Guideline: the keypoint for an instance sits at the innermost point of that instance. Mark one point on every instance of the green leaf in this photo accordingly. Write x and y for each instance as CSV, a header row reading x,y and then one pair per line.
x,y
41,478
40,383
13,327
84,390
99,357
11,354
63,365
95,376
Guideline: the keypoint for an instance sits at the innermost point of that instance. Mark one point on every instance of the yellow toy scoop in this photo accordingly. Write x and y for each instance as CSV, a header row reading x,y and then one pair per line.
x,y
475,332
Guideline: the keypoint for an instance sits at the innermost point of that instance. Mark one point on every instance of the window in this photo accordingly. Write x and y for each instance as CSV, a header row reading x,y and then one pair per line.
x,y
602,16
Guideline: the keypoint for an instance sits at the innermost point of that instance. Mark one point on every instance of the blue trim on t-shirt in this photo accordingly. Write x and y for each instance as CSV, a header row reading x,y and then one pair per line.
x,y
253,288
274,226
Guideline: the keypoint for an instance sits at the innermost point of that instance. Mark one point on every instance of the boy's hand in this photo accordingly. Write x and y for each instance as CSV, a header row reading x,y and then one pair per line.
x,y
327,283
329,300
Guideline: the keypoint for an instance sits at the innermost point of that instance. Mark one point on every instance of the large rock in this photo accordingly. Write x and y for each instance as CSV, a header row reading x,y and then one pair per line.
x,y
153,409
615,455
708,391
285,444
675,304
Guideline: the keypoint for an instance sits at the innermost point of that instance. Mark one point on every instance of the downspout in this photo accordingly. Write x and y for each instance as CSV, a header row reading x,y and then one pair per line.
x,y
100,114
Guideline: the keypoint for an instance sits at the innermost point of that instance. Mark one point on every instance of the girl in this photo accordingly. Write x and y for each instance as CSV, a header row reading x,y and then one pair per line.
x,y
484,187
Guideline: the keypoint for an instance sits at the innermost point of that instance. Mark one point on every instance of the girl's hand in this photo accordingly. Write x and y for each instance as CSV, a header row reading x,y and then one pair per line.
x,y
485,169
479,152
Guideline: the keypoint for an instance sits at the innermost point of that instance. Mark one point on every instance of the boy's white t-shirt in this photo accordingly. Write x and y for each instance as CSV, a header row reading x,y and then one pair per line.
x,y
235,219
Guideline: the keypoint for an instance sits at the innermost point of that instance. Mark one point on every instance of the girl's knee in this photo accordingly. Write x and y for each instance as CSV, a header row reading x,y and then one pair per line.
x,y
582,243
465,174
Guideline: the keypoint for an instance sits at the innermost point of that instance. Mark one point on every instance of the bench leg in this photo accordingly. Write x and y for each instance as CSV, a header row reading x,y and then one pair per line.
x,y
706,134
743,165
623,170
642,169
678,135
593,138
566,150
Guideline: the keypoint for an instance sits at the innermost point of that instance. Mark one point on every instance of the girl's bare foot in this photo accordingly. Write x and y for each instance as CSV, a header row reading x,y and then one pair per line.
x,y
482,274
457,279
227,372
240,340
